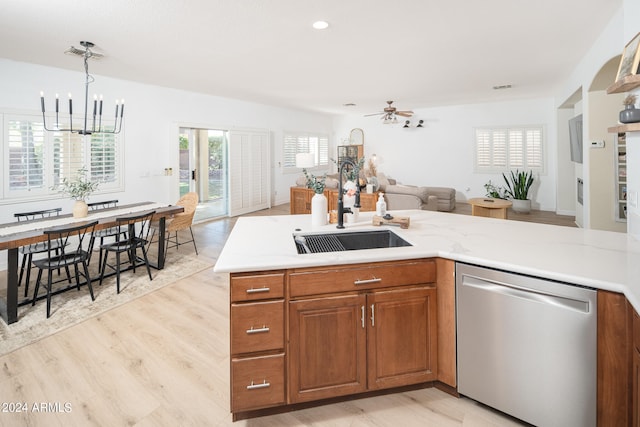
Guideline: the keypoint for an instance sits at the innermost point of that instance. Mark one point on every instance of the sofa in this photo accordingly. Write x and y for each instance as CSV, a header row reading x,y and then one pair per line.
x,y
399,196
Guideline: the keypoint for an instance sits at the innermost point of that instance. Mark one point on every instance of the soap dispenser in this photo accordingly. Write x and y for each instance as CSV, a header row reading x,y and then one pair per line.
x,y
381,205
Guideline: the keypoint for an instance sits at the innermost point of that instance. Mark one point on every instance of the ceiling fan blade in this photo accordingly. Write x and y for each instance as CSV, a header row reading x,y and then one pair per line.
x,y
404,113
373,114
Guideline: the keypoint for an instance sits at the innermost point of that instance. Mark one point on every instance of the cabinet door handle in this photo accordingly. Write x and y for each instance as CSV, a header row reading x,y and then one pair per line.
x,y
257,330
257,290
253,386
364,282
373,315
362,316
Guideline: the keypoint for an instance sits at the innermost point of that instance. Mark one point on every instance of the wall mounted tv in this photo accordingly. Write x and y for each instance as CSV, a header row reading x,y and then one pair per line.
x,y
575,138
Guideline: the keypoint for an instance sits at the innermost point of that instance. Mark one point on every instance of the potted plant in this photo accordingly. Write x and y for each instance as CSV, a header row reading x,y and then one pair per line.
x,y
518,187
630,114
79,188
494,191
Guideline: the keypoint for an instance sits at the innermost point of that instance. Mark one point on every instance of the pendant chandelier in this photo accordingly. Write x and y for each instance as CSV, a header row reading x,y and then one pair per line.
x,y
95,125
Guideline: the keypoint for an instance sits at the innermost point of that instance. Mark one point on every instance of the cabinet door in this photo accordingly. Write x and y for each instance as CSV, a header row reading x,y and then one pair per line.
x,y
402,341
300,200
327,346
635,402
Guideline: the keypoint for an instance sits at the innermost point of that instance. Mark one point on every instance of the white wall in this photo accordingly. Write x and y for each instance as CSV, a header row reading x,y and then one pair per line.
x,y
152,117
442,153
631,28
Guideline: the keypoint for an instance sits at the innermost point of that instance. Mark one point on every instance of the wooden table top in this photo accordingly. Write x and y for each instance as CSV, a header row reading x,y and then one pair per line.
x,y
36,235
488,202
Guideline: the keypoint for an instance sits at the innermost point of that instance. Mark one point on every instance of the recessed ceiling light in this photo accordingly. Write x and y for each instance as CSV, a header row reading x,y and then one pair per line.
x,y
321,25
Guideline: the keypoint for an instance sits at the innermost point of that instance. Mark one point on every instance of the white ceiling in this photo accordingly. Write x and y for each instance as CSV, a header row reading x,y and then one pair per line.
x,y
420,53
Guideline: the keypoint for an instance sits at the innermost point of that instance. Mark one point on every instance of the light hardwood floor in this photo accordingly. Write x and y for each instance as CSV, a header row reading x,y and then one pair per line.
x,y
163,360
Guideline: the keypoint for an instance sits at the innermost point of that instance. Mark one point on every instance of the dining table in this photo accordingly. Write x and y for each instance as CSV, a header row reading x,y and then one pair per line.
x,y
17,234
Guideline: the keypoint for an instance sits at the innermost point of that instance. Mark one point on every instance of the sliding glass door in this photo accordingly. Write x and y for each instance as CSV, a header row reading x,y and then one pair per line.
x,y
204,169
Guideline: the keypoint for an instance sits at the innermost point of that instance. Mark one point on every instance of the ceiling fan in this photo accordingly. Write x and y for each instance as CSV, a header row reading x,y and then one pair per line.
x,y
390,112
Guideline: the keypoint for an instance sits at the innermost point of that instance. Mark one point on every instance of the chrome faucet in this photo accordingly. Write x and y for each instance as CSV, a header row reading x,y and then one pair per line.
x,y
341,209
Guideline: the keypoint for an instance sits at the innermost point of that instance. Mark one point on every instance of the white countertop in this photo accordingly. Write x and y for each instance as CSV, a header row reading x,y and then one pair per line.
x,y
598,259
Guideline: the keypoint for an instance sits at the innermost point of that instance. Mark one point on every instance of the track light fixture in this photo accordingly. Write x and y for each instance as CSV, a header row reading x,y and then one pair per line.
x,y
407,124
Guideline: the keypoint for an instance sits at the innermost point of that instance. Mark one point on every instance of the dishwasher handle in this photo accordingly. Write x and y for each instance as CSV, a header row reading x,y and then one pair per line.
x,y
527,293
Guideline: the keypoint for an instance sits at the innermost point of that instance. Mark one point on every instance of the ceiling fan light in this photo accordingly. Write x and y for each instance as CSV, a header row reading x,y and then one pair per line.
x,y
321,25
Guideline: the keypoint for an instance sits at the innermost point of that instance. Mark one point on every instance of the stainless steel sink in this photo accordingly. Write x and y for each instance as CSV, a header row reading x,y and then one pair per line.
x,y
349,241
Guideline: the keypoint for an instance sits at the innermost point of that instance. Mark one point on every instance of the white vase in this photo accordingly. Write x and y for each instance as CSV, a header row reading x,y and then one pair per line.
x,y
319,210
80,209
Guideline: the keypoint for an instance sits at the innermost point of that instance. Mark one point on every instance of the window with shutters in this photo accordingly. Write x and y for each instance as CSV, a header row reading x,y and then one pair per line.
x,y
295,143
500,149
35,160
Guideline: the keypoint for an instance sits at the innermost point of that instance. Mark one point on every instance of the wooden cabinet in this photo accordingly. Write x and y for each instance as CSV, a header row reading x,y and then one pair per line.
x,y
327,347
373,339
402,337
257,341
635,371
300,200
614,360
307,334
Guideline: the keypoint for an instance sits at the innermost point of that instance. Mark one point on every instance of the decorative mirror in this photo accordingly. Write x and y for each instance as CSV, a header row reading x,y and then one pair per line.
x,y
356,137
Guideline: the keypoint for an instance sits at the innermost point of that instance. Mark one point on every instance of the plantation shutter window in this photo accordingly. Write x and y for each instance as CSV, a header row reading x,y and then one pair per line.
x,y
26,156
36,161
296,143
500,149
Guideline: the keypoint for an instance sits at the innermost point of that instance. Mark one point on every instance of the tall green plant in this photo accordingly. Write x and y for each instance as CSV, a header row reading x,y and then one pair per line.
x,y
519,185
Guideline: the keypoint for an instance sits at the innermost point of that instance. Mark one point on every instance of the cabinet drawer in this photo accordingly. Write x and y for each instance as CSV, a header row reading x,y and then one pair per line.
x,y
257,326
250,287
314,281
257,382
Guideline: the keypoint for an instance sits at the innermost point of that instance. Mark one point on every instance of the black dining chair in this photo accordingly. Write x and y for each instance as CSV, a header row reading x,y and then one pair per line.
x,y
136,237
28,251
69,241
104,233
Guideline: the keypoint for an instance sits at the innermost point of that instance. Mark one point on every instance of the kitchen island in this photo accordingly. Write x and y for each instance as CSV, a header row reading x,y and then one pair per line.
x,y
261,254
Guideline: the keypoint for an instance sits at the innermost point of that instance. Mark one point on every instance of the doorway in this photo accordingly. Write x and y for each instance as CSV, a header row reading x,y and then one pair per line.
x,y
204,169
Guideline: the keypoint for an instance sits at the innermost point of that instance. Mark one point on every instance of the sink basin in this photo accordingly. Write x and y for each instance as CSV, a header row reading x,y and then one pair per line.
x,y
349,241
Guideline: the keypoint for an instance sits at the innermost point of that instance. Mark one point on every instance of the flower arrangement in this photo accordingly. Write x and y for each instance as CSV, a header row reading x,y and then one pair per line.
x,y
351,174
78,188
315,183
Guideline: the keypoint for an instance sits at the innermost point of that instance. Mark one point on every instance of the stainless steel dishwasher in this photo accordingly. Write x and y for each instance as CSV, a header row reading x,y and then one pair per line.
x,y
527,346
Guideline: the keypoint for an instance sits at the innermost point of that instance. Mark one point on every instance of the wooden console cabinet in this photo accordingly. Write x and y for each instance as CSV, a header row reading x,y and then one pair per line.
x,y
351,329
300,200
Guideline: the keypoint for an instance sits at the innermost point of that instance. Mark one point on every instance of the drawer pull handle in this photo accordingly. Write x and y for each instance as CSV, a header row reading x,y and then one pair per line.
x,y
257,290
364,282
253,386
258,330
